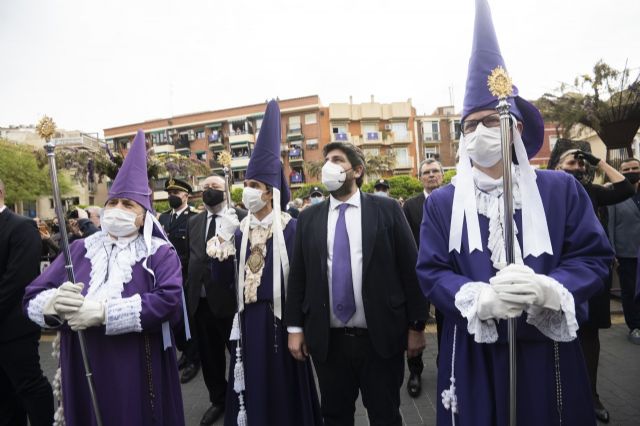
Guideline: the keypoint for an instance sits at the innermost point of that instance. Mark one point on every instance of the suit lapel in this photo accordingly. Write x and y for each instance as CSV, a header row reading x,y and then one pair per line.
x,y
323,213
369,229
4,217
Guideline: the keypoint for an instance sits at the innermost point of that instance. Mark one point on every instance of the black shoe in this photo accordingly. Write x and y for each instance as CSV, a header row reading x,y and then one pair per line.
x,y
414,385
182,362
211,415
189,372
601,413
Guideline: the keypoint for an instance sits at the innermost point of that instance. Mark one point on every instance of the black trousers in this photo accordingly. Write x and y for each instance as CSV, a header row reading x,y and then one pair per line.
x,y
589,337
627,271
352,365
415,364
24,390
213,340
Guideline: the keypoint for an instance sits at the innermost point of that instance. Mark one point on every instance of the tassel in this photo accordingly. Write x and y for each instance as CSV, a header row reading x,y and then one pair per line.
x,y
58,417
55,346
235,328
238,377
242,417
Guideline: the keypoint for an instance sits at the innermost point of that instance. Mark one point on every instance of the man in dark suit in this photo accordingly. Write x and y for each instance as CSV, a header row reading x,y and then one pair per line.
x,y
24,391
430,174
353,300
211,303
174,222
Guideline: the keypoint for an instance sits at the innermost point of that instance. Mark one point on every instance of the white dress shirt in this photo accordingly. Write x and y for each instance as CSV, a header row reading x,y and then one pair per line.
x,y
353,220
179,212
2,208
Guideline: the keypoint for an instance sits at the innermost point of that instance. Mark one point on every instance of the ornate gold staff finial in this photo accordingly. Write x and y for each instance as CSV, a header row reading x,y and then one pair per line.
x,y
224,158
46,128
499,82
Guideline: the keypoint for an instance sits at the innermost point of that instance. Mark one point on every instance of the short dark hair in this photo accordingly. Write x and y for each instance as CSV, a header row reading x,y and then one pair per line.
x,y
429,161
628,160
353,153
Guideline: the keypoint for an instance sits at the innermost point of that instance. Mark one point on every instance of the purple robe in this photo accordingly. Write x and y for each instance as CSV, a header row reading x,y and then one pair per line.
x,y
279,390
581,255
136,380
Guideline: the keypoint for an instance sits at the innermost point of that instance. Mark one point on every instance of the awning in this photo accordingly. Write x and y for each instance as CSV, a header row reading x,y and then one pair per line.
x,y
213,125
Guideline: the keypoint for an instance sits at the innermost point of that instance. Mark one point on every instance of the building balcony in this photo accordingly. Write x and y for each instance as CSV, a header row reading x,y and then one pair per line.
x,y
164,149
240,137
403,165
431,138
239,162
296,155
400,138
341,137
373,138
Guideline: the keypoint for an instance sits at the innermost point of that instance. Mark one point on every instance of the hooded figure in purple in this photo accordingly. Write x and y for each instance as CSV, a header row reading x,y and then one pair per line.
x,y
127,297
267,386
561,260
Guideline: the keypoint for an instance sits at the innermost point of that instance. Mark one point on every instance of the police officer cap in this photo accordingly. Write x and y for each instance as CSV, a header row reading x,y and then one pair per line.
x,y
316,191
173,183
381,182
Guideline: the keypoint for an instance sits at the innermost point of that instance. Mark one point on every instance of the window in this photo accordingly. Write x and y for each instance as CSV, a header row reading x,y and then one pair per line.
x,y
310,118
402,157
294,123
456,130
312,143
431,130
372,151
431,152
200,134
339,128
399,130
238,175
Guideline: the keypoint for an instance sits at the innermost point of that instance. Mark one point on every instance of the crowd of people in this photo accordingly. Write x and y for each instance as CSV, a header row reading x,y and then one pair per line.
x,y
340,283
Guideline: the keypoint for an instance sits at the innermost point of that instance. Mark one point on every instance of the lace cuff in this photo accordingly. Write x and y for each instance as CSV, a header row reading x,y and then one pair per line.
x,y
123,315
560,326
220,250
36,307
467,303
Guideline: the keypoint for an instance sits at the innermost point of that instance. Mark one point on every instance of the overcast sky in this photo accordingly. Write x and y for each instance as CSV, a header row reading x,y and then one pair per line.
x,y
95,64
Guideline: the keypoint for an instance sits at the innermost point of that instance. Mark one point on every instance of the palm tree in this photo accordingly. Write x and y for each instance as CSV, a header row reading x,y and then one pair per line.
x,y
313,169
379,165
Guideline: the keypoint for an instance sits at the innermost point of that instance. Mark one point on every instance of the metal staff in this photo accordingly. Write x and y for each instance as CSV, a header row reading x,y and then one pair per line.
x,y
46,128
501,86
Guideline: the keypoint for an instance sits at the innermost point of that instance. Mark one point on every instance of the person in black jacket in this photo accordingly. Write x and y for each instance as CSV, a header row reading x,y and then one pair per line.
x,y
353,300
24,391
574,162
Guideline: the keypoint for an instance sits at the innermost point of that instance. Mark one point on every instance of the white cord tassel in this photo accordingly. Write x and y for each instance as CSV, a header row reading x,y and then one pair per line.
x,y
449,398
235,329
58,417
238,373
242,412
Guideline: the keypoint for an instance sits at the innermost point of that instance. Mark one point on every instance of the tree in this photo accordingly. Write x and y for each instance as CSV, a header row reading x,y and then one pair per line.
x,y
313,169
399,186
306,189
236,195
379,165
23,177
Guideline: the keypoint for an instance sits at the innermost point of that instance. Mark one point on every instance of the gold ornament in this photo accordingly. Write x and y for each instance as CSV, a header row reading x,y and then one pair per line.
x,y
224,158
256,259
499,82
46,128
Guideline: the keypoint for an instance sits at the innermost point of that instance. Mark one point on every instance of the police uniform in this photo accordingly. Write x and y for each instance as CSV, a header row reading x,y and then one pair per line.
x,y
382,183
175,227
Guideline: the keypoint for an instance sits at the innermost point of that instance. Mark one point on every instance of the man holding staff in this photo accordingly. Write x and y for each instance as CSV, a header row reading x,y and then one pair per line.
x,y
560,257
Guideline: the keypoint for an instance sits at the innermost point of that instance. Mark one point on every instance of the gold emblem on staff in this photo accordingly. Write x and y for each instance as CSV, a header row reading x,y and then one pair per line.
x,y
224,158
46,128
499,82
256,259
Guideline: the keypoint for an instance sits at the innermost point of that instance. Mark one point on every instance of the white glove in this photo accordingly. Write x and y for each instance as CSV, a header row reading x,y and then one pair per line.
x,y
66,300
520,284
91,314
490,306
228,223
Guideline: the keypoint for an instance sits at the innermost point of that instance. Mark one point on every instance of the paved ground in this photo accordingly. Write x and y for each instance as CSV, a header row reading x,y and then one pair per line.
x,y
619,382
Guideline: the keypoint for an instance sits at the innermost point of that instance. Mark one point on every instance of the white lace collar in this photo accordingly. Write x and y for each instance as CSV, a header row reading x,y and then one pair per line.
x,y
112,263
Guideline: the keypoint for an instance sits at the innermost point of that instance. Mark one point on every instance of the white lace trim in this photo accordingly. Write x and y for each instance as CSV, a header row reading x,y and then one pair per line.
x,y
123,315
560,326
220,250
492,207
116,261
36,307
466,301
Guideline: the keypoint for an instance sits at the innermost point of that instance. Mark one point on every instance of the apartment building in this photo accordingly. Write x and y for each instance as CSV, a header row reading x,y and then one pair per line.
x,y
439,135
204,135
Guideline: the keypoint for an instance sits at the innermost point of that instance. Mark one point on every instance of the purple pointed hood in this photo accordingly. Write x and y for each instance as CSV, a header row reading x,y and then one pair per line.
x,y
132,182
265,165
485,56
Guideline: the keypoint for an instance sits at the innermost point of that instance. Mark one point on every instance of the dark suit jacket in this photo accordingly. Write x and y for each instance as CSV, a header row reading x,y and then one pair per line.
x,y
413,209
221,294
390,291
177,233
20,247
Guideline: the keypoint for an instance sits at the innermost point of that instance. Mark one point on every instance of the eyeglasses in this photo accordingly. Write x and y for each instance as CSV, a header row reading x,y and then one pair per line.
x,y
469,126
431,172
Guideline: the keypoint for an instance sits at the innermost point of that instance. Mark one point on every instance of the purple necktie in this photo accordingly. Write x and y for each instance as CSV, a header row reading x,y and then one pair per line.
x,y
344,305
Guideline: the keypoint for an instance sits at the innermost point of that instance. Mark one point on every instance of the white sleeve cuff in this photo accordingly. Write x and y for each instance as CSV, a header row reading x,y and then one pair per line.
x,y
292,329
466,301
220,250
123,315
36,307
560,326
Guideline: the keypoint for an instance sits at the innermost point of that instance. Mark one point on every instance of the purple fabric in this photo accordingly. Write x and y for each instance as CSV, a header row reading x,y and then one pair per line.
x,y
265,165
121,363
485,57
344,304
582,254
279,390
132,182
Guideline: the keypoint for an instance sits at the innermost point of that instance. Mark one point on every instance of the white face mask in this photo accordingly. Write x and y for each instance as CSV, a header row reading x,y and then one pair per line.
x,y
252,199
333,176
484,146
118,222
316,200
381,194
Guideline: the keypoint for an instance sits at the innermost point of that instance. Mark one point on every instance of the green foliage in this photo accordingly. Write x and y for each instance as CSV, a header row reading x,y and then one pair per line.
x,y
313,169
305,189
236,195
379,165
400,186
448,174
161,206
24,178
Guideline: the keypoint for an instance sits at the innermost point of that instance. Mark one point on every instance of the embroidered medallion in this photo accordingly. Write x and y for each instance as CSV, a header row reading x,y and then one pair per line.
x,y
256,259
